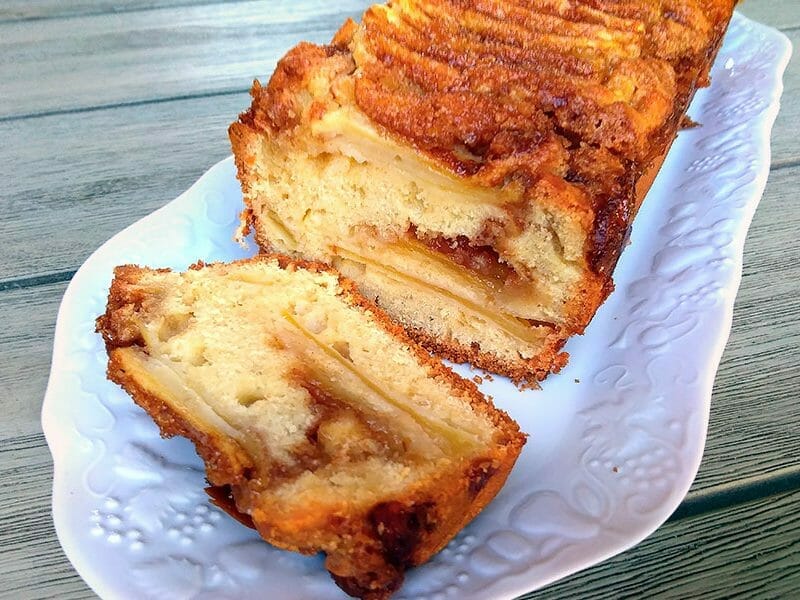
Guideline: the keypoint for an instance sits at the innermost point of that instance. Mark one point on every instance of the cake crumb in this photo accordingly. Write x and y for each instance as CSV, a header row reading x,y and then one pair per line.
x,y
477,379
688,123
528,385
615,469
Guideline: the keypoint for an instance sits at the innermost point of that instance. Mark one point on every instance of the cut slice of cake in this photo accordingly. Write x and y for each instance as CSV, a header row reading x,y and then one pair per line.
x,y
323,421
475,165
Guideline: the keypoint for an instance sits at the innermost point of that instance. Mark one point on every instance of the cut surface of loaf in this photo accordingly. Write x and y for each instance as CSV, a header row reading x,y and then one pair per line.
x,y
475,165
330,428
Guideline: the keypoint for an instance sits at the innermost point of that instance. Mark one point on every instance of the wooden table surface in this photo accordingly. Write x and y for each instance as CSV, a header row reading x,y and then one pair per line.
x,y
111,108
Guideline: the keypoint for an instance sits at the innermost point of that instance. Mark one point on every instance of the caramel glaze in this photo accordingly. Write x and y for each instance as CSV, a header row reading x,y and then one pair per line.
x,y
481,259
327,407
585,93
221,496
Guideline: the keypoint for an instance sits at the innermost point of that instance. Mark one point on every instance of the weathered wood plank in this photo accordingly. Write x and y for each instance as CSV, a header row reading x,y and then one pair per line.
x,y
26,345
776,13
19,10
751,384
97,172
781,14
58,65
748,551
33,565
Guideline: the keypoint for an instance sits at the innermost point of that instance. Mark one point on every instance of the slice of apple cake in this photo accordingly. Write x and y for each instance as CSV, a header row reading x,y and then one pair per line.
x,y
325,423
475,165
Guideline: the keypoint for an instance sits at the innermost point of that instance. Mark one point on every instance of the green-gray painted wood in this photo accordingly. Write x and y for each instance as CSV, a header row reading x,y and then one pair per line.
x,y
751,551
97,172
777,13
33,565
20,10
67,64
26,344
782,14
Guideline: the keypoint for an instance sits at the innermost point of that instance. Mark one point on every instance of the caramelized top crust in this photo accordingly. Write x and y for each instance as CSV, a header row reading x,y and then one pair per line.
x,y
501,77
584,93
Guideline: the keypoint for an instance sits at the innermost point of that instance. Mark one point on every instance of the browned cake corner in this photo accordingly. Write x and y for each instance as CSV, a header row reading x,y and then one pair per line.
x,y
475,165
321,423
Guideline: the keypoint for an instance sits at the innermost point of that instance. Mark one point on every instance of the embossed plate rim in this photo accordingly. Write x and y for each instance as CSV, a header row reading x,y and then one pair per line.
x,y
504,552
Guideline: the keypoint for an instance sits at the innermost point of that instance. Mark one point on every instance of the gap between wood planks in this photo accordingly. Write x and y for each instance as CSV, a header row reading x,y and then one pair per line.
x,y
132,103
28,282
742,491
785,163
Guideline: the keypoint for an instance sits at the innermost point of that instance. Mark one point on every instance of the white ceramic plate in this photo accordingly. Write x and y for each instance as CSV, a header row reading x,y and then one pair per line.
x,y
616,438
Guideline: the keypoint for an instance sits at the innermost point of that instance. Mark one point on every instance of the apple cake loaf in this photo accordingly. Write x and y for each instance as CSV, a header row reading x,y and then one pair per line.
x,y
320,420
475,165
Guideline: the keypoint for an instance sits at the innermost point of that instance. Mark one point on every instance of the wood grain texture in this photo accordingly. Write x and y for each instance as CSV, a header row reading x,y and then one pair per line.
x,y
33,564
751,551
757,380
781,14
776,13
147,55
26,10
108,169
26,345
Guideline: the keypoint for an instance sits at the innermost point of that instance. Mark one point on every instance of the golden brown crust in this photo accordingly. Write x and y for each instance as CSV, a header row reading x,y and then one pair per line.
x,y
522,372
575,102
226,462
368,549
